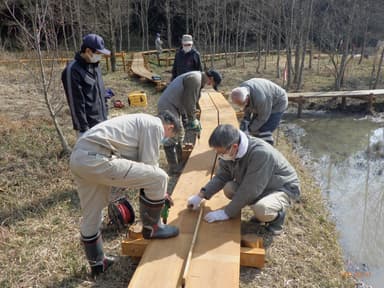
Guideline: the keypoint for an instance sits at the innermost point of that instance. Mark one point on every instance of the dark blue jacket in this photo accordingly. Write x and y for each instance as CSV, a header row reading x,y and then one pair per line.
x,y
186,62
84,88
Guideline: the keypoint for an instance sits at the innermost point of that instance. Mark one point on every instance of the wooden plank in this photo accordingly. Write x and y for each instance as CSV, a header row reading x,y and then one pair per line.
x,y
355,93
163,260
216,258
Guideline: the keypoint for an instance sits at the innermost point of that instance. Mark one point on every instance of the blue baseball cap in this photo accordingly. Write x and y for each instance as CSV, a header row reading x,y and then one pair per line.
x,y
95,42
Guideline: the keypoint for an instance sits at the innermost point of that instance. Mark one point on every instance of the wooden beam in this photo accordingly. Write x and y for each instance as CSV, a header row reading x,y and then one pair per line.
x,y
252,257
134,248
249,256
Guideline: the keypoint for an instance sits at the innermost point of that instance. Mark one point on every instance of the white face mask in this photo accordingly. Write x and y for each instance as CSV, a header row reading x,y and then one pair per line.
x,y
227,156
187,49
95,58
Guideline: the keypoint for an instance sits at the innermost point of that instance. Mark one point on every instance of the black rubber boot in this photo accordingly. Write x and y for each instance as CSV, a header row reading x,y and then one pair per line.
x,y
179,154
276,226
150,216
171,155
93,247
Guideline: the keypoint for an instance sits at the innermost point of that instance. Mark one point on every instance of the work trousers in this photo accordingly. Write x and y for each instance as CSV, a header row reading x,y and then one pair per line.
x,y
267,208
95,171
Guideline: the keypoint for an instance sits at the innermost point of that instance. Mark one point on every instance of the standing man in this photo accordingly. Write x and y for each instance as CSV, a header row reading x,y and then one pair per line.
x,y
84,86
158,43
251,172
121,152
187,58
264,103
181,97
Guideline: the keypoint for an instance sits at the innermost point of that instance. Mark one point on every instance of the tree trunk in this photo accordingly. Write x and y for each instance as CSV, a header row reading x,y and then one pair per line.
x,y
146,2
120,25
128,25
308,21
168,20
111,35
279,32
237,31
63,26
186,17
378,74
79,22
73,30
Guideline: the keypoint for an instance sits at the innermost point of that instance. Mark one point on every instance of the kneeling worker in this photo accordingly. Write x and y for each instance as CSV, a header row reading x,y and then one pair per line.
x,y
264,103
121,152
251,172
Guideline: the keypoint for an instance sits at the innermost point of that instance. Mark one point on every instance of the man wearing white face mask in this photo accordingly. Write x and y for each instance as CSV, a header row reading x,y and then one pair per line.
x,y
84,86
251,172
187,58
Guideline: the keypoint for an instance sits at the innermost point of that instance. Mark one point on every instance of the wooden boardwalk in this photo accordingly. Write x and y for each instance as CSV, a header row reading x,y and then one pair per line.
x,y
368,95
215,260
139,68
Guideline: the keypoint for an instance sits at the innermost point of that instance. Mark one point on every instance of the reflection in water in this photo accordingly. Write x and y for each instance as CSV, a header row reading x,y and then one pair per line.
x,y
353,181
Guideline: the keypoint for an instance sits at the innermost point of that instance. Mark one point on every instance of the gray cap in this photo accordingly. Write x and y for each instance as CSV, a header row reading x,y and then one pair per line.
x,y
187,39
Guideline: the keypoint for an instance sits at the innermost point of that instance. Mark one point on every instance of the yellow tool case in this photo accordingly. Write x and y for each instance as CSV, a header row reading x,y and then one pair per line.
x,y
137,99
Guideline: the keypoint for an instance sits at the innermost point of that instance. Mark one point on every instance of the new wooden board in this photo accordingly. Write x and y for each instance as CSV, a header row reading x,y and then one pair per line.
x,y
216,258
163,260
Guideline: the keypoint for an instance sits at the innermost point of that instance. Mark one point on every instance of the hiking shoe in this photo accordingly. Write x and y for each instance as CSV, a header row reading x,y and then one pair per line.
x,y
276,226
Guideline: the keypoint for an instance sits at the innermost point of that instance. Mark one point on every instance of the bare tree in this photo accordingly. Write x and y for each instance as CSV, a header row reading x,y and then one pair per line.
x,y
41,17
111,34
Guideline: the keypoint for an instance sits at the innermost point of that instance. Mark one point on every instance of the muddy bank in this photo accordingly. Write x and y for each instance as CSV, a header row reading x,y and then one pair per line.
x,y
338,148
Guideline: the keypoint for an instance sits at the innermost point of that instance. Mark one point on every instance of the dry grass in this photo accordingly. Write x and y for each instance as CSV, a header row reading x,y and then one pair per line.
x,y
40,213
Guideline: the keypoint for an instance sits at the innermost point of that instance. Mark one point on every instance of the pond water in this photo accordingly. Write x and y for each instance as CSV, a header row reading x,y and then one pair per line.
x,y
352,180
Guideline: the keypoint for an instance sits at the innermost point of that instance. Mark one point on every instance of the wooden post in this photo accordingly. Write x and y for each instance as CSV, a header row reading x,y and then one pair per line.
x,y
300,106
343,102
123,59
107,63
370,108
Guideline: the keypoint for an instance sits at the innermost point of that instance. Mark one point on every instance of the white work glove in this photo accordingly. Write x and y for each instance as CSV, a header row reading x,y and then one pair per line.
x,y
194,202
218,215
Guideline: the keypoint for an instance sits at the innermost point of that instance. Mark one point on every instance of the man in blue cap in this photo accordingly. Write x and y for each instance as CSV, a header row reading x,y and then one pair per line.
x,y
84,86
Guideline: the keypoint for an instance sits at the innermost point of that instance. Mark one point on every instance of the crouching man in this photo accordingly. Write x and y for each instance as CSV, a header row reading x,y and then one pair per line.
x,y
121,152
251,172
